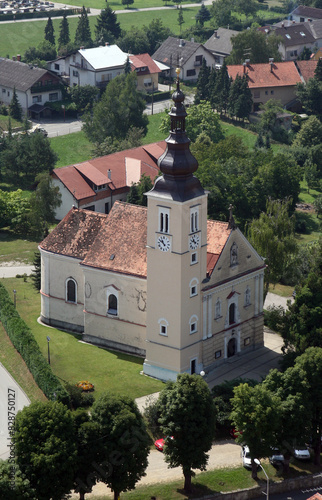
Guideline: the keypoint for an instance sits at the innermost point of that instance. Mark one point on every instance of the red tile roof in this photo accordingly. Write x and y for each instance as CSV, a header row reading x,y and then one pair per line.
x,y
306,68
117,242
217,235
316,496
283,74
144,61
78,178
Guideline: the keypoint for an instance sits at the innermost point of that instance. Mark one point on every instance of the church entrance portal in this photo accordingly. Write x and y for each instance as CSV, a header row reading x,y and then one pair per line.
x,y
231,348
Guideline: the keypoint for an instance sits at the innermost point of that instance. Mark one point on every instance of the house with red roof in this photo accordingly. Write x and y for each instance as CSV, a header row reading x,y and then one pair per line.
x,y
147,72
162,282
273,80
306,69
96,184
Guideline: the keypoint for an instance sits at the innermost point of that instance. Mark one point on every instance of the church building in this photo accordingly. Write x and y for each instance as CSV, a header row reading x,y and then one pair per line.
x,y
162,282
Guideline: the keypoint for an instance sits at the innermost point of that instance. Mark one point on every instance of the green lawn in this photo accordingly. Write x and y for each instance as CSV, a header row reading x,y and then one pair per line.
x,y
73,361
71,148
13,249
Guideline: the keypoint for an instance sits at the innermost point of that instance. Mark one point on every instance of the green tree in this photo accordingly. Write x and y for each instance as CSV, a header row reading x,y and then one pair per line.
x,y
310,95
246,7
272,235
38,155
270,109
123,443
310,134
50,32
21,487
36,272
203,15
44,201
187,409
318,71
318,205
305,54
83,32
156,33
127,66
45,51
202,92
136,195
120,108
45,447
310,174
180,20
84,96
258,47
64,36
109,146
135,41
127,2
302,326
240,100
220,95
256,415
107,28
15,108
221,11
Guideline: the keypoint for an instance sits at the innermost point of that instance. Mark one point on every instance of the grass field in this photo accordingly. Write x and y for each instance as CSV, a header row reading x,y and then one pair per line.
x,y
73,361
71,148
16,250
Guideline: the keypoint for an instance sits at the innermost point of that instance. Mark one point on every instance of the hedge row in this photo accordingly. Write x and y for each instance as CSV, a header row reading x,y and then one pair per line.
x,y
158,96
40,14
22,338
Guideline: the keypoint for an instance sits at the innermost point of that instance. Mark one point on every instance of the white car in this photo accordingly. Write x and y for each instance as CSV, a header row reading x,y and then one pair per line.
x,y
245,455
302,453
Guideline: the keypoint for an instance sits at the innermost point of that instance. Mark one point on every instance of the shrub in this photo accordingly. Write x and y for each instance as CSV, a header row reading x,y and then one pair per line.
x,y
151,415
22,338
273,317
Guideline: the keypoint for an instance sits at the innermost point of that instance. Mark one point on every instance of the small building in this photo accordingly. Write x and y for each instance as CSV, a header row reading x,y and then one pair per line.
x,y
295,38
35,87
96,184
306,69
219,44
183,54
96,66
303,13
269,81
147,72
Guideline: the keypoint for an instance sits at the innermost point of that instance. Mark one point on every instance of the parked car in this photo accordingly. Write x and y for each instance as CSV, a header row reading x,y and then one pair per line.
x,y
302,453
159,444
276,458
245,455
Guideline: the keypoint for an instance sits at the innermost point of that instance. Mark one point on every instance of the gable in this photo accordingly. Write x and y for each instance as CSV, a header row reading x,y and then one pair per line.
x,y
237,258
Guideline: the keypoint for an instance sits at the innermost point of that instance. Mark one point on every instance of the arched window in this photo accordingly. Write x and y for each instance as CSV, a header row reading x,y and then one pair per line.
x,y
164,220
232,314
193,324
71,290
193,287
163,324
218,309
112,304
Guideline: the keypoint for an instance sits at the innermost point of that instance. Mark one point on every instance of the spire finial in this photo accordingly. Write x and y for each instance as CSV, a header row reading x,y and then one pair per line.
x,y
231,222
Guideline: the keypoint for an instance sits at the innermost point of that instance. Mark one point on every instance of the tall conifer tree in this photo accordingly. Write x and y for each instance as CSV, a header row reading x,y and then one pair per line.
x,y
49,31
64,36
107,28
83,31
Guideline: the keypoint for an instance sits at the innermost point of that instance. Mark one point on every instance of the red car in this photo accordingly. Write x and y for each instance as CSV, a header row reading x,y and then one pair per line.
x,y
235,433
159,443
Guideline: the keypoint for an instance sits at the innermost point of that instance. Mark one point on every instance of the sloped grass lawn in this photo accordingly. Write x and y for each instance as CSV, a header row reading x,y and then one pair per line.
x,y
13,249
16,366
73,361
72,148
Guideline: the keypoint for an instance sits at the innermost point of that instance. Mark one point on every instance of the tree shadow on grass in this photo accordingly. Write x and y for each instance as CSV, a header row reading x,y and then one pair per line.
x,y
198,491
311,222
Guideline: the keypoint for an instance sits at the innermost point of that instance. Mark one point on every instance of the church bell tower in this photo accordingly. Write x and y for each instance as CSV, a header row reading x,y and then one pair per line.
x,y
176,257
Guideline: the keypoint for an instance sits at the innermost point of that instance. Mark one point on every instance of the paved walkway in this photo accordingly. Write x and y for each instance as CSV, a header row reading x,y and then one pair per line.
x,y
12,399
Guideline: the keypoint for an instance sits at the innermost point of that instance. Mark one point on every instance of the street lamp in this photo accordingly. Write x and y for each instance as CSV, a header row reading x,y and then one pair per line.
x,y
257,462
15,297
48,339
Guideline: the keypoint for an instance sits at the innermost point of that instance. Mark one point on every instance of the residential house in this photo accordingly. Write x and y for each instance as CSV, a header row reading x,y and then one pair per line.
x,y
96,184
306,69
35,87
147,72
317,55
96,66
295,37
162,282
269,81
302,13
183,54
219,44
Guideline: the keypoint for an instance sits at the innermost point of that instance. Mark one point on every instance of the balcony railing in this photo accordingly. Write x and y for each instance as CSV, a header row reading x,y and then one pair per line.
x,y
37,89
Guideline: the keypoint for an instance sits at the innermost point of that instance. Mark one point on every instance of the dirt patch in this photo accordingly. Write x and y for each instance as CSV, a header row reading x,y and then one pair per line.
x,y
307,208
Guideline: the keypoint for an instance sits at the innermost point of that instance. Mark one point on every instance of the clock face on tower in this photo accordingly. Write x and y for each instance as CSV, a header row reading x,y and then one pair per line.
x,y
194,241
163,243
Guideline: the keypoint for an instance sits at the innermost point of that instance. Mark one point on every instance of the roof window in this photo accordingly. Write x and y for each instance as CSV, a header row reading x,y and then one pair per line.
x,y
302,34
288,36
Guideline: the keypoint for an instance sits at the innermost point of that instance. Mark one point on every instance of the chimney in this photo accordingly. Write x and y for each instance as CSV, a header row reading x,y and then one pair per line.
x,y
14,58
282,25
18,57
192,40
109,174
215,34
106,44
271,62
181,42
244,68
82,47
